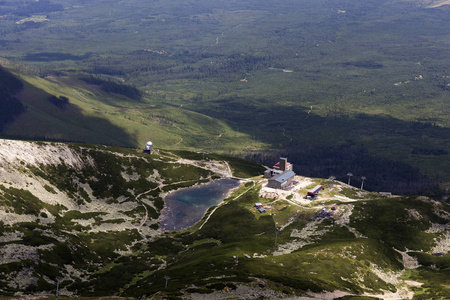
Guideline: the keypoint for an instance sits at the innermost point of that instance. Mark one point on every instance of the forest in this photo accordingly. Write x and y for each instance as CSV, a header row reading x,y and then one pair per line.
x,y
338,86
60,102
29,7
114,87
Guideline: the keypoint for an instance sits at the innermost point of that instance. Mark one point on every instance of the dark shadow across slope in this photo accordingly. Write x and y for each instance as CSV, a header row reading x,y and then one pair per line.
x,y
381,148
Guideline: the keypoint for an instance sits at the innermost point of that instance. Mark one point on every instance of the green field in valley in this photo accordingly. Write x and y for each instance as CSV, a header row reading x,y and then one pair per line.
x,y
337,86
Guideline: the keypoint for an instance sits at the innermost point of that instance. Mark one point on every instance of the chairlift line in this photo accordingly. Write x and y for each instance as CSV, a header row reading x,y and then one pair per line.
x,y
331,178
167,279
362,181
349,176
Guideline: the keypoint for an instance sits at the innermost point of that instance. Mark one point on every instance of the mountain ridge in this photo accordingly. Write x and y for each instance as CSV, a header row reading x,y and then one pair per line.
x,y
89,215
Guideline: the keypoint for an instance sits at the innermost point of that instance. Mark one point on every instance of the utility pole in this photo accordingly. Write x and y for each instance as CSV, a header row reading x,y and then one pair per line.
x,y
362,183
167,279
332,178
57,286
276,237
237,254
349,176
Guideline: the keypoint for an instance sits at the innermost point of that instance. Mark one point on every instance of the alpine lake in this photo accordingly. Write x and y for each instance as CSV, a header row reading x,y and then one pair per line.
x,y
184,208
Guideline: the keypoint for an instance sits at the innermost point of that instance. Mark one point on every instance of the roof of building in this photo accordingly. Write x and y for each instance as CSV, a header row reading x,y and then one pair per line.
x,y
283,176
316,189
277,165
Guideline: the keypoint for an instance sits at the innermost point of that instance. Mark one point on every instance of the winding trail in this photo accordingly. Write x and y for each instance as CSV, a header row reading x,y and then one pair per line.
x,y
145,218
179,142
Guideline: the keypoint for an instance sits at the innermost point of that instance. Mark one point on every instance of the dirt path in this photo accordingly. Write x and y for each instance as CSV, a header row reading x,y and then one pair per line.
x,y
145,218
179,142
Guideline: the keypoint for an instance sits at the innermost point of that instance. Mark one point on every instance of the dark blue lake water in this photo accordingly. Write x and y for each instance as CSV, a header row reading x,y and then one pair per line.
x,y
186,207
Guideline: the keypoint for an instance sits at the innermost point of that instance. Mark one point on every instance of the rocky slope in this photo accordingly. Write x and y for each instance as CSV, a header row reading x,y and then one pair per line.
x,y
89,217
58,202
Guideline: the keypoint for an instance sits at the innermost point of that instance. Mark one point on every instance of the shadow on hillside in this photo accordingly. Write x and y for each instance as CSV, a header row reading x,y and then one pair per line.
x,y
45,121
385,150
27,112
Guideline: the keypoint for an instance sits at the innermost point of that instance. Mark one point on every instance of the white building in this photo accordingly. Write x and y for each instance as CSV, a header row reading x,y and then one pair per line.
x,y
148,149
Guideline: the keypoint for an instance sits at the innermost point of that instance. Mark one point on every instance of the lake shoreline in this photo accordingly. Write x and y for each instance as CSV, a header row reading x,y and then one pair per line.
x,y
192,203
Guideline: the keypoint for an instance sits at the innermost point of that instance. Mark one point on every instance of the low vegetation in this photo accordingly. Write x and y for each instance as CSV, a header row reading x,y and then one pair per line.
x,y
89,217
336,86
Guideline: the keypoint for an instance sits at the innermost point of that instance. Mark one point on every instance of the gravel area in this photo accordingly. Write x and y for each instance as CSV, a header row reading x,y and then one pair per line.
x,y
442,244
219,167
409,262
307,235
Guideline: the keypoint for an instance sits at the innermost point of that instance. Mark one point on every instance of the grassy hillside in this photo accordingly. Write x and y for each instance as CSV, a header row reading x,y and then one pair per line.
x,y
10,106
89,217
299,78
96,116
